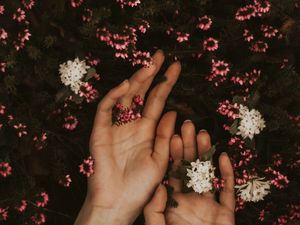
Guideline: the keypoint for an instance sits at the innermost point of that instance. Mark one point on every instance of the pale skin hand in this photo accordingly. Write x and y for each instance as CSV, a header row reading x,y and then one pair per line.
x,y
193,209
131,159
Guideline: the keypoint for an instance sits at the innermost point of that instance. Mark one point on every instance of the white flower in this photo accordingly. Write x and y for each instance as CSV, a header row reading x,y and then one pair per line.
x,y
201,175
251,122
254,190
71,73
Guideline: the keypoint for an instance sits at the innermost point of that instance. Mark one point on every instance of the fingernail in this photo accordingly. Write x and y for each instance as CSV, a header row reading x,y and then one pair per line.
x,y
124,82
224,153
187,121
203,130
175,135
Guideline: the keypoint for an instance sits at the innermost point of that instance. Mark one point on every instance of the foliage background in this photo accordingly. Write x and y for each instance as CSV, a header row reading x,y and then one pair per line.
x,y
31,90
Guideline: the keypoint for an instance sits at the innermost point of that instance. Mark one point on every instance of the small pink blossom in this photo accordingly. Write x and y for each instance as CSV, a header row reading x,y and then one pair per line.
x,y
21,129
87,167
3,67
65,181
71,122
3,36
247,35
3,214
38,218
204,23
182,37
144,26
89,93
259,46
28,4
40,142
42,199
21,207
76,3
170,30
210,44
5,169
2,109
19,15
2,9
262,6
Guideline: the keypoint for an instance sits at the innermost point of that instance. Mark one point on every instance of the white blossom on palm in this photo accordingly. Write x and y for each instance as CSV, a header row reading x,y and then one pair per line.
x,y
71,73
251,122
201,176
254,190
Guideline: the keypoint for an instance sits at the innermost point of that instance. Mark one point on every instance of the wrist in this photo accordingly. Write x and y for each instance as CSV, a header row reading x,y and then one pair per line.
x,y
91,214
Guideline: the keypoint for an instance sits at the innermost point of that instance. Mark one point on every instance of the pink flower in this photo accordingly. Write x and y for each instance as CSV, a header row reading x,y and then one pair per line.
x,y
86,167
76,3
170,30
71,122
144,26
268,31
65,181
5,169
141,58
262,6
19,15
38,218
131,3
3,36
2,109
181,37
3,67
3,214
248,36
28,4
21,129
228,109
210,44
205,23
42,199
22,206
2,9
88,92
248,78
245,13
40,142
259,46
219,71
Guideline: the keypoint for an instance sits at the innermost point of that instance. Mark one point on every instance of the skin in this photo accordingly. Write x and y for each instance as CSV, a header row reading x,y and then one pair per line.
x,y
193,208
131,159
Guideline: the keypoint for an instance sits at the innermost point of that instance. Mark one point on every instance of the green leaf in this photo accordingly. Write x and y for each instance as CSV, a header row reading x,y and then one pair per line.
x,y
62,94
90,74
234,127
237,99
209,154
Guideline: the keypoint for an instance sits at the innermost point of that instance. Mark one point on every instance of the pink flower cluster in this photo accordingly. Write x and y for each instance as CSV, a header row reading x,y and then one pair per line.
x,y
257,9
89,93
210,44
87,167
226,108
141,58
71,122
131,3
21,129
204,23
248,78
42,199
40,142
28,4
279,180
182,37
65,181
5,169
22,206
38,218
3,214
218,184
219,70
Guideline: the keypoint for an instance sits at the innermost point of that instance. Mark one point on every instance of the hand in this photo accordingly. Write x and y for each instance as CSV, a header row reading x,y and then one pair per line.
x,y
193,208
130,159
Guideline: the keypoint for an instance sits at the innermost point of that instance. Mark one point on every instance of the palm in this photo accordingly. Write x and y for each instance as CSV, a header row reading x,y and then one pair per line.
x,y
131,159
198,209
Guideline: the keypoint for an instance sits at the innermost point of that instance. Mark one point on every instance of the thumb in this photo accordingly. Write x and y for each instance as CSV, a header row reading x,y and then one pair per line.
x,y
154,210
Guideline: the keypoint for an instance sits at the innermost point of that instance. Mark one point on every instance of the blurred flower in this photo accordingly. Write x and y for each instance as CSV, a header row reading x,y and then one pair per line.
x,y
210,44
28,4
21,129
181,37
247,35
3,36
259,46
42,199
3,214
71,122
201,176
22,206
19,15
251,122
5,169
204,23
71,73
76,3
131,3
87,167
2,9
65,181
254,190
268,31
38,218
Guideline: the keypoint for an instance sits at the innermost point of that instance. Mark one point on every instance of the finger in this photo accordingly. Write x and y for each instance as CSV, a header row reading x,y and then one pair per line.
x,y
142,77
176,149
164,133
104,110
227,194
203,145
154,210
158,96
188,134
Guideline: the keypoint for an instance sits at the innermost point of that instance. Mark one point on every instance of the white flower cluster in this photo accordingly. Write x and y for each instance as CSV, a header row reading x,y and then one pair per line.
x,y
251,122
201,175
71,73
254,190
